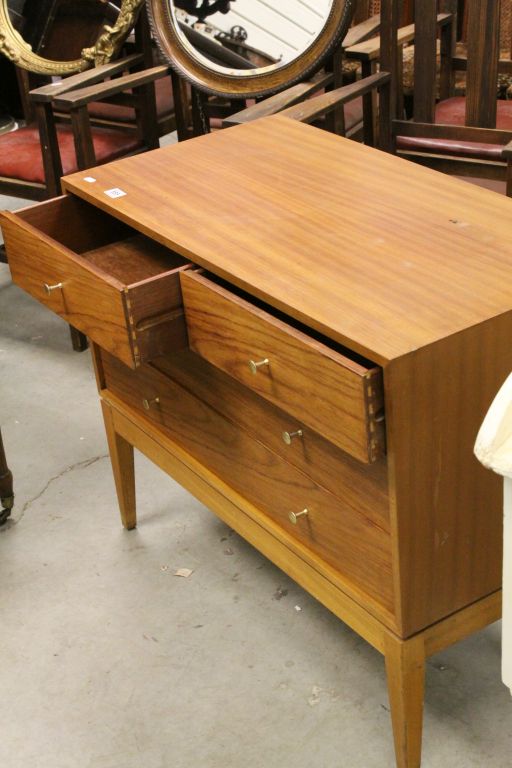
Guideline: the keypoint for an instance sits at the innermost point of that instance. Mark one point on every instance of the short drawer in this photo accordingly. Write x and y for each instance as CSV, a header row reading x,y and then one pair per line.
x,y
317,383
332,530
115,285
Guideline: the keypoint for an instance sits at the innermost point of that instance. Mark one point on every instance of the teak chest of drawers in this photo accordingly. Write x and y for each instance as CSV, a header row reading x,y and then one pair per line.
x,y
311,355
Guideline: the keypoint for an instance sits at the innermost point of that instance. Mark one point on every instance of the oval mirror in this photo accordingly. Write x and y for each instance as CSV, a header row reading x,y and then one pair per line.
x,y
20,51
248,48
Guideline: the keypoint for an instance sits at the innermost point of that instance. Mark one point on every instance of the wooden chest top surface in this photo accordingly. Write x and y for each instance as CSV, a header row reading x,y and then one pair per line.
x,y
371,250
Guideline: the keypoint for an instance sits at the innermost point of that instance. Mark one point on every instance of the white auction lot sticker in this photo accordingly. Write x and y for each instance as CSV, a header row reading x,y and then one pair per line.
x,y
116,192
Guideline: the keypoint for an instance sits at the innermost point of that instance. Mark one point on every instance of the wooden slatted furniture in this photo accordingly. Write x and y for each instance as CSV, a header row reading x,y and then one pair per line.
x,y
354,119
28,171
466,134
313,363
34,157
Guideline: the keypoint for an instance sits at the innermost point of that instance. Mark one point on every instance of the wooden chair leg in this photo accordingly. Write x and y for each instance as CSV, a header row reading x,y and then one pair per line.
x,y
121,457
369,107
200,121
6,488
181,107
78,340
405,667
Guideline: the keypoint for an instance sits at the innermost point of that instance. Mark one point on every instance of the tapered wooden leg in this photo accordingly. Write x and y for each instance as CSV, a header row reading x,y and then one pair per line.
x,y
405,667
121,456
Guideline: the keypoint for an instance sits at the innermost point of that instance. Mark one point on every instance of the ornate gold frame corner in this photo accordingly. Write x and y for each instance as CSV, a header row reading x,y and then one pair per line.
x,y
14,47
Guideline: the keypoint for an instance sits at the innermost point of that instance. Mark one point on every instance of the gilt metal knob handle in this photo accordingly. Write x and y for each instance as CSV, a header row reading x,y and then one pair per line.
x,y
148,403
254,365
50,288
288,436
294,516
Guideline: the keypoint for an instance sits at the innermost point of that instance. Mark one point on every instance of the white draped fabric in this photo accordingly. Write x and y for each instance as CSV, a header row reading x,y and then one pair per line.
x,y
493,448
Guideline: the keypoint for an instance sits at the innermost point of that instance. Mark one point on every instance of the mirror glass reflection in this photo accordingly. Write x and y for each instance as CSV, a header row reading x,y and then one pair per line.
x,y
250,34
60,29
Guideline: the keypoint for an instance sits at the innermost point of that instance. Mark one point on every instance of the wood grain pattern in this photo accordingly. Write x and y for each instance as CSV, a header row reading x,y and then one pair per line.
x,y
279,101
277,221
341,535
310,110
446,510
425,51
121,457
483,56
316,384
364,487
72,223
156,316
152,293
463,623
371,49
91,303
124,294
133,259
405,668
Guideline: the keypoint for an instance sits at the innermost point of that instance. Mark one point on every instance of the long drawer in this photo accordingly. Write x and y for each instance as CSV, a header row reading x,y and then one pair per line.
x,y
361,486
117,286
334,394
336,532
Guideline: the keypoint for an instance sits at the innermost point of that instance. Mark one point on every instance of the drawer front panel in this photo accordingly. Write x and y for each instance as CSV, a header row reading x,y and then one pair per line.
x,y
364,487
345,539
335,396
118,287
90,303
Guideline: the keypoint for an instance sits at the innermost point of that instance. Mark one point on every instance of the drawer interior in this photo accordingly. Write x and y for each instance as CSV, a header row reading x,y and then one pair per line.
x,y
134,259
106,244
353,359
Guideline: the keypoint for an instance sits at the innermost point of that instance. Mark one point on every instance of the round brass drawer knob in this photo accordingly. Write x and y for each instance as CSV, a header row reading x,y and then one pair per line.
x,y
254,365
288,436
148,403
294,516
50,288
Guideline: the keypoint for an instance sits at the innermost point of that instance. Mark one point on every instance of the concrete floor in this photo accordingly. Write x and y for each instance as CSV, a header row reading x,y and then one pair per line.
x,y
108,660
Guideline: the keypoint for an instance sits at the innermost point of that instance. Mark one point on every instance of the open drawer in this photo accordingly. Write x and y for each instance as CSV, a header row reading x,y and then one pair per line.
x,y
112,283
324,387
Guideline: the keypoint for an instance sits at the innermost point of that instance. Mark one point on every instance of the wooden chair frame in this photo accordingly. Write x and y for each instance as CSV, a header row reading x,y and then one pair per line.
x,y
326,80
481,65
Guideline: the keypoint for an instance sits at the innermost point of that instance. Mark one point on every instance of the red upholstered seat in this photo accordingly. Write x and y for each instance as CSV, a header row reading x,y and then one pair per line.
x,y
21,157
453,112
